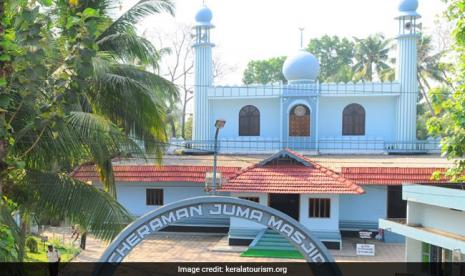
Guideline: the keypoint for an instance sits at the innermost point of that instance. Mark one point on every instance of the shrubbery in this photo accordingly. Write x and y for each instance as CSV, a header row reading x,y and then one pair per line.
x,y
31,244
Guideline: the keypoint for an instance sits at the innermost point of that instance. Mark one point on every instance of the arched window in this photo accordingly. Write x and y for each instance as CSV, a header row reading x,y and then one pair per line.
x,y
249,121
299,121
353,120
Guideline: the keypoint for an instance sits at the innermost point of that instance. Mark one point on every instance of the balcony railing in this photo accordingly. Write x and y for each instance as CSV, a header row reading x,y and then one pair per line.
x,y
310,89
330,145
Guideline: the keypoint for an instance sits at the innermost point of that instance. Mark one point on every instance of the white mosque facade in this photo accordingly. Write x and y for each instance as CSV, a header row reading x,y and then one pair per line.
x,y
306,115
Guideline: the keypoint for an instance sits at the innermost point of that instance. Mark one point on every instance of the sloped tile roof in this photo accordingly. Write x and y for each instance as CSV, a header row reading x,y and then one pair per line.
x,y
391,176
153,173
307,177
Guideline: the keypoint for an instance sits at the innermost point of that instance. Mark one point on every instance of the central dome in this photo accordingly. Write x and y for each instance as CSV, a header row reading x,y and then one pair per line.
x,y
301,67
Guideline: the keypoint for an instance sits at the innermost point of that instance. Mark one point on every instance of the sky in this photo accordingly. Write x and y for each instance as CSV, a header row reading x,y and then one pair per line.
x,y
259,29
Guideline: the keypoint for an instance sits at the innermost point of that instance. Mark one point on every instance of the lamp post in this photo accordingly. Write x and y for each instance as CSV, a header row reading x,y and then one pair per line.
x,y
219,124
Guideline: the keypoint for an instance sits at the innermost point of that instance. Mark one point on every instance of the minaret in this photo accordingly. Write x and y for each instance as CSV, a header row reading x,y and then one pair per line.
x,y
203,74
406,74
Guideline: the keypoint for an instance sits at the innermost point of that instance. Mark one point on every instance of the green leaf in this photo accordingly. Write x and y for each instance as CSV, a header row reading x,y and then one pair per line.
x,y
46,3
5,57
89,12
4,101
20,164
72,20
62,196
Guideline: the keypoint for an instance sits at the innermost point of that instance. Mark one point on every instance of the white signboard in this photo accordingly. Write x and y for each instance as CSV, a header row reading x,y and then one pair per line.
x,y
365,234
365,249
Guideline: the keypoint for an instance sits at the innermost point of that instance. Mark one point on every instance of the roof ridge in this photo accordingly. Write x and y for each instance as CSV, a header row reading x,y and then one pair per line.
x,y
346,169
329,172
244,170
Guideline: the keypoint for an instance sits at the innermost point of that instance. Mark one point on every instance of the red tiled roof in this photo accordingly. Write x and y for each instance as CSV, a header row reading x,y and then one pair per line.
x,y
153,173
311,178
391,176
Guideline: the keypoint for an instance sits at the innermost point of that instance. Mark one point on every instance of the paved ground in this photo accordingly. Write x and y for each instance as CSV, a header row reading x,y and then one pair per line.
x,y
175,247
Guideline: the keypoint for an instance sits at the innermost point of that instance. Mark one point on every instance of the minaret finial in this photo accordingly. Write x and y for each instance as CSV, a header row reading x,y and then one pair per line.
x,y
301,29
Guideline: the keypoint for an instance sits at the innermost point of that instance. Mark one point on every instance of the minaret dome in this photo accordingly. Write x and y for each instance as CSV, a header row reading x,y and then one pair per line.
x,y
408,8
203,17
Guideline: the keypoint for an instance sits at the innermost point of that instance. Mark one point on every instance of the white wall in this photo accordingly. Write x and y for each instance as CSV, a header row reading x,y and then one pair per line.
x,y
319,224
228,109
379,111
412,250
132,195
437,217
238,223
370,206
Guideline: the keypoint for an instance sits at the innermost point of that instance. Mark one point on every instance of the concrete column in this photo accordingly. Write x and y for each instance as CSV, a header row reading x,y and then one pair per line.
x,y
412,250
203,81
406,75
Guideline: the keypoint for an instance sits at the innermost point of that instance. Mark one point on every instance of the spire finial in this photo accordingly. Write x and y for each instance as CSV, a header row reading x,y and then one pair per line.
x,y
301,29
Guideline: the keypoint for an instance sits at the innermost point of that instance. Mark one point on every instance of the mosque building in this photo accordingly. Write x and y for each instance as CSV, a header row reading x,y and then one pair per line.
x,y
294,121
306,115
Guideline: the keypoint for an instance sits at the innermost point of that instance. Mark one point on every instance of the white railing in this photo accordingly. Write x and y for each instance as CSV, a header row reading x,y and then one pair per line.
x,y
310,89
360,88
324,145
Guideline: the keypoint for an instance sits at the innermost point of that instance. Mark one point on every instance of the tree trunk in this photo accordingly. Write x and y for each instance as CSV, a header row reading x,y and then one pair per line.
x,y
5,70
3,164
24,226
183,121
173,127
83,241
425,95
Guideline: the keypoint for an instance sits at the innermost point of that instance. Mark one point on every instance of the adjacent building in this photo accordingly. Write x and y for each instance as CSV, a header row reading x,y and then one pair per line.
x,y
434,227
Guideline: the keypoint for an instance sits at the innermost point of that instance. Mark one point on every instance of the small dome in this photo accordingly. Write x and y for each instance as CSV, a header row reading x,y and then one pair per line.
x,y
408,8
203,16
300,67
408,5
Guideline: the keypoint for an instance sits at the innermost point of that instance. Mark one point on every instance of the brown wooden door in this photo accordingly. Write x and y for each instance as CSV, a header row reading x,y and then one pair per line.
x,y
299,121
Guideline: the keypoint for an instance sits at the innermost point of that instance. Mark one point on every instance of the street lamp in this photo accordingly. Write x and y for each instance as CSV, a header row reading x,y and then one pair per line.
x,y
219,124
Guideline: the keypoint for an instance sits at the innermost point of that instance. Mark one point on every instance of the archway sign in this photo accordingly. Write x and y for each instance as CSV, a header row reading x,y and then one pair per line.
x,y
218,207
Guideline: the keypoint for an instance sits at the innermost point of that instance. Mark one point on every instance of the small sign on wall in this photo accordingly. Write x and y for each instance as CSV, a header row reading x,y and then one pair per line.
x,y
365,234
364,249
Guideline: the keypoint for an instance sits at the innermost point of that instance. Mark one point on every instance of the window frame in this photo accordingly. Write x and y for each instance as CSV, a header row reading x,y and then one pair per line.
x,y
353,120
153,200
323,210
249,122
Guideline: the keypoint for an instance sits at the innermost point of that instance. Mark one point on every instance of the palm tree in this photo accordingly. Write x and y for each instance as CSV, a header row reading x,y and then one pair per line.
x,y
430,68
71,100
371,56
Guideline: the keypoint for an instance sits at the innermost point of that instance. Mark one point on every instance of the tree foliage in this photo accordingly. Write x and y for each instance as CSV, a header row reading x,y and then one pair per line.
x,y
450,107
78,89
335,55
264,71
371,57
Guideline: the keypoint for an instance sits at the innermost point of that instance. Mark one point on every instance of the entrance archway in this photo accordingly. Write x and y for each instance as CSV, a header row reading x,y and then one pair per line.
x,y
217,207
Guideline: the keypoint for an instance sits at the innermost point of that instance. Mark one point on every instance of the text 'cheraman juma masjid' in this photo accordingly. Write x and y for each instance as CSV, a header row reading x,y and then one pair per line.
x,y
333,156
305,115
